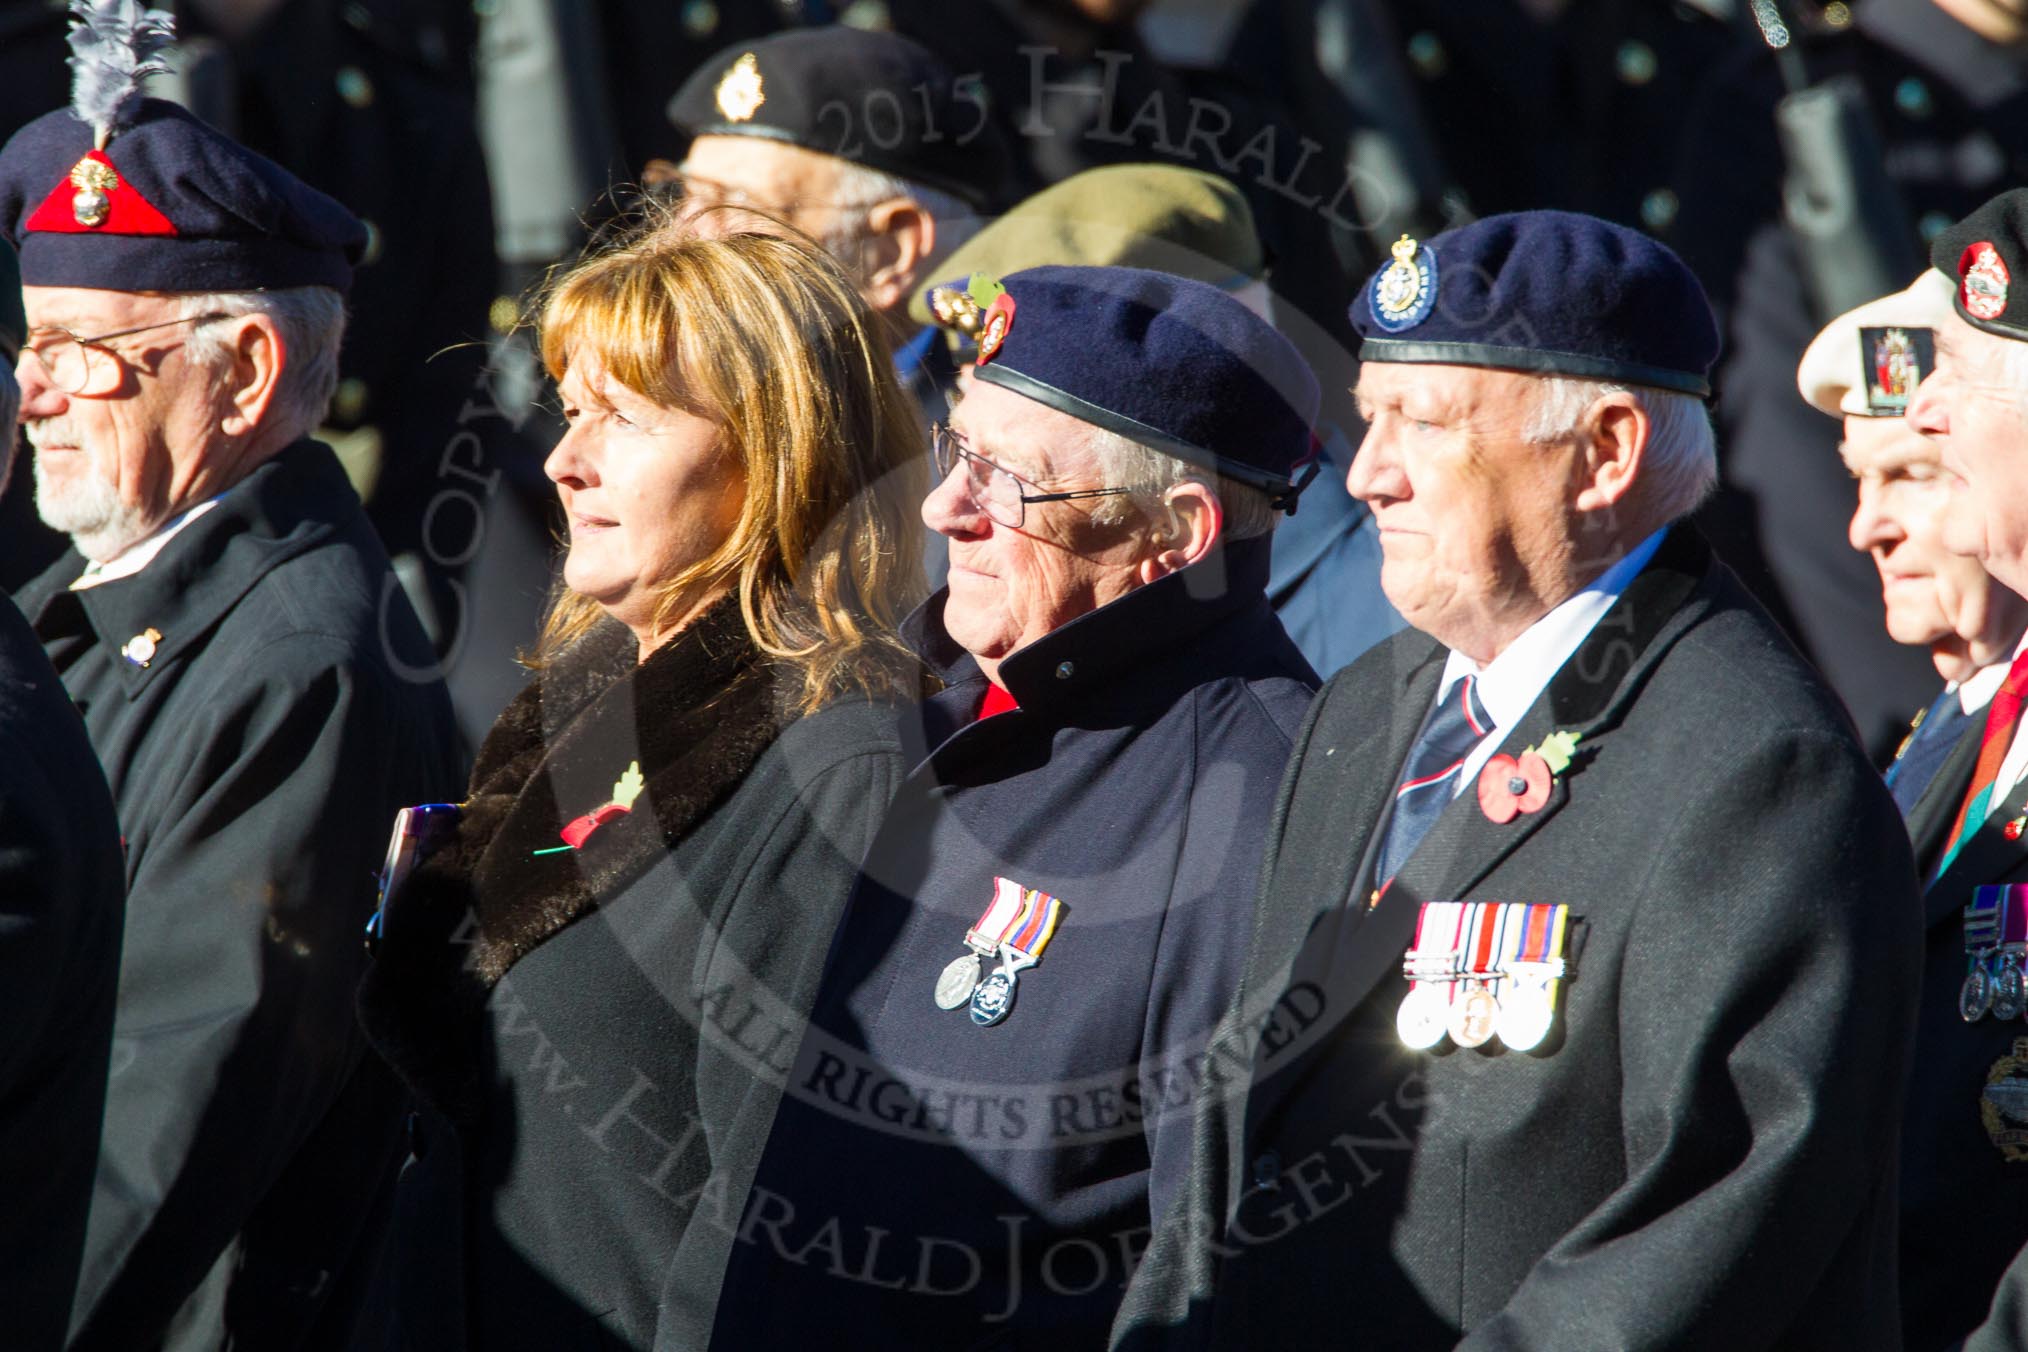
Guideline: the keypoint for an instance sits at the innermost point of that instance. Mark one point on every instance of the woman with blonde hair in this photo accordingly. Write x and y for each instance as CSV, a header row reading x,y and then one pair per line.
x,y
595,983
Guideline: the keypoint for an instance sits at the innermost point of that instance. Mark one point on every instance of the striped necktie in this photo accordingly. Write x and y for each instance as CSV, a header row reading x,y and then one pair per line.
x,y
1429,777
2003,718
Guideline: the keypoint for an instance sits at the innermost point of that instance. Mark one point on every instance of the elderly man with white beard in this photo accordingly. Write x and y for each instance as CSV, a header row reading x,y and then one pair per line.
x,y
246,668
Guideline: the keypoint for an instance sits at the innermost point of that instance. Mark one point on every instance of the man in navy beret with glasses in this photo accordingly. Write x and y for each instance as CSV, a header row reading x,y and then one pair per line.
x,y
1612,929
992,1101
250,677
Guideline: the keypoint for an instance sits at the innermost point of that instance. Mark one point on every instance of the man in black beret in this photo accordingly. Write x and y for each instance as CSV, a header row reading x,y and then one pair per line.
x,y
250,678
865,142
1608,927
1975,408
980,1126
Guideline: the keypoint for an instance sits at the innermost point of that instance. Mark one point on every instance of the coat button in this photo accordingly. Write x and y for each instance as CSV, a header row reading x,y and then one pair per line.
x,y
1065,670
1267,1172
418,1139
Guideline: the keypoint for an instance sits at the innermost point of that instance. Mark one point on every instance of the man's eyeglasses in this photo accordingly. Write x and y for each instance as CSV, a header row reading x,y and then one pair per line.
x,y
1001,492
85,365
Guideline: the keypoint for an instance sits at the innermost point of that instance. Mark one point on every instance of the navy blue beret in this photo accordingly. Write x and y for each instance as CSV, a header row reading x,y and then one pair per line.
x,y
877,99
1986,256
1173,364
169,205
1546,291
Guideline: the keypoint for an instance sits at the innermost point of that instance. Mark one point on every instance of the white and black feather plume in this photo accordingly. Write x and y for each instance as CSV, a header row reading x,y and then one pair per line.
x,y
114,46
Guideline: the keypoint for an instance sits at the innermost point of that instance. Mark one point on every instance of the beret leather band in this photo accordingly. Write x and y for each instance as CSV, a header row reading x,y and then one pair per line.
x,y
1537,360
1284,488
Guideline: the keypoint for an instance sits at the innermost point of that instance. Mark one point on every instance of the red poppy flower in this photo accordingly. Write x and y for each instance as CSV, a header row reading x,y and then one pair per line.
x,y
1509,787
2012,830
580,828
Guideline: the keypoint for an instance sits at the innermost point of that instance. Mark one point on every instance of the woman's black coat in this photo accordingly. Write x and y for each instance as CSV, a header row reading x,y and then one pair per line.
x,y
598,1036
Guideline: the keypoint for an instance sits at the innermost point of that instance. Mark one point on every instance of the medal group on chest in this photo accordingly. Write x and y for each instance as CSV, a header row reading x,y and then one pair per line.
x,y
1016,927
1481,970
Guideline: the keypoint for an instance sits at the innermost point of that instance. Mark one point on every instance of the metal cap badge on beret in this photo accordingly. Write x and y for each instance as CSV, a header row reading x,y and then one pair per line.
x,y
124,193
1553,292
1173,364
1986,255
877,99
1867,362
1159,216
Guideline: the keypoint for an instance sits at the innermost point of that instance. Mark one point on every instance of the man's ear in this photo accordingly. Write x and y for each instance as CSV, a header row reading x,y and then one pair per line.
x,y
1615,440
257,355
901,239
1188,523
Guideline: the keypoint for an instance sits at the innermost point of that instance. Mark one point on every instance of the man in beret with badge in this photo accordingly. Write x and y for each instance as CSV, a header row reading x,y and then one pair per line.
x,y
1610,925
1975,409
992,1101
250,678
865,142
1963,1203
1324,582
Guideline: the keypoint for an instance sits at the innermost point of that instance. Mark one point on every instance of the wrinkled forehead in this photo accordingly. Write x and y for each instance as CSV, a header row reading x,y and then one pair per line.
x,y
88,310
1020,433
755,171
1880,444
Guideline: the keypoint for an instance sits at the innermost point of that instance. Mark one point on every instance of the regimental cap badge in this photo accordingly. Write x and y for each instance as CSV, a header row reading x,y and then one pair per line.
x,y
1895,361
740,92
983,310
996,313
140,649
1983,281
115,46
1405,291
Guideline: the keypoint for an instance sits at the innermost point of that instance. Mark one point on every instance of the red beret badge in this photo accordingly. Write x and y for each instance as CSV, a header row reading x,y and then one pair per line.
x,y
1983,281
115,46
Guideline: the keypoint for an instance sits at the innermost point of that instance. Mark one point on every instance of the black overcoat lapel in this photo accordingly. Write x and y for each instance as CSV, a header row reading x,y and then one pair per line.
x,y
1987,857
1349,954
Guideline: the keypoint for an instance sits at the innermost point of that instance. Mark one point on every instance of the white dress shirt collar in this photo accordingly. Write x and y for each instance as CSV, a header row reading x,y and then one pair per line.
x,y
139,555
1513,681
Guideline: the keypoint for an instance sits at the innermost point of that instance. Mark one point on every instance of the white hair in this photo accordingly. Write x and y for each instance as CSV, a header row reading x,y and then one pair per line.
x,y
1125,463
860,189
1679,467
312,324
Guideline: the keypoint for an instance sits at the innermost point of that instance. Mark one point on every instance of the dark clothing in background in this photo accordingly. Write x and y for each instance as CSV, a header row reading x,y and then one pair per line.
x,y
1964,1160
1952,112
256,757
1133,783
598,1038
61,895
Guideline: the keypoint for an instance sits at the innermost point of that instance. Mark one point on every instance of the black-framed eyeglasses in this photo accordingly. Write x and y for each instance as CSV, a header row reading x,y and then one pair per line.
x,y
1000,491
68,358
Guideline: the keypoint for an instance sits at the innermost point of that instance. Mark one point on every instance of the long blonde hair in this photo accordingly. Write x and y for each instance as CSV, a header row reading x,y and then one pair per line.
x,y
766,336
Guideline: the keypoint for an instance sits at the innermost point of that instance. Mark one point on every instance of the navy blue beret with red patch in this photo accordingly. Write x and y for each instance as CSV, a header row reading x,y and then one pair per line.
x,y
1986,255
1552,292
1176,365
170,204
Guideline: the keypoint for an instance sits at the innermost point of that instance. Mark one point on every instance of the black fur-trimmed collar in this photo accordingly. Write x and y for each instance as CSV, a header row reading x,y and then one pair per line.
x,y
695,716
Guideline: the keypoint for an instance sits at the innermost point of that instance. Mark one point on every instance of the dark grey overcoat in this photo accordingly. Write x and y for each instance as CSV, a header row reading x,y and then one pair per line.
x,y
598,1038
61,893
256,749
1703,1154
